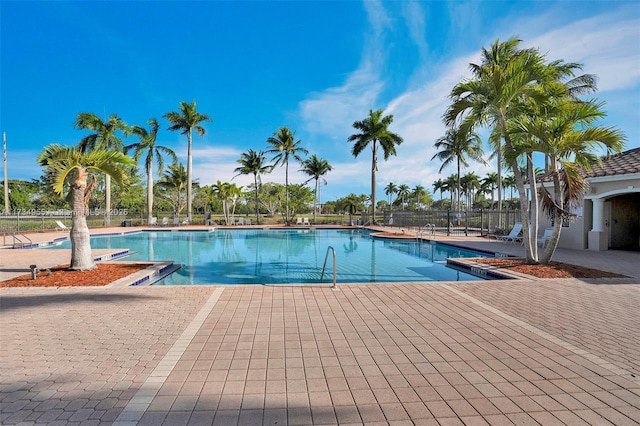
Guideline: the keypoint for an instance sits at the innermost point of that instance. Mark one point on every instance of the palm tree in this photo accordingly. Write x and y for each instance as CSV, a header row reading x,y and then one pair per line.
x,y
283,147
489,184
439,185
470,184
509,182
567,137
104,138
419,192
452,184
390,190
457,146
173,182
227,192
252,162
316,168
403,192
186,121
71,167
374,130
148,144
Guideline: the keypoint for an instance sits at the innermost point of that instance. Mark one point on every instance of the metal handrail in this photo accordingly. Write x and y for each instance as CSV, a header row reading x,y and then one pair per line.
x,y
429,227
324,265
19,241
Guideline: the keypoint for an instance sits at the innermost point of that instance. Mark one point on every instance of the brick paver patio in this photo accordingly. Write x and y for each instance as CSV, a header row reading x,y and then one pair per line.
x,y
507,352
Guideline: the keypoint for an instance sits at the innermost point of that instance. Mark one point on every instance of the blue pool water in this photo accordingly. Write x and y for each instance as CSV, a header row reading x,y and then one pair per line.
x,y
263,256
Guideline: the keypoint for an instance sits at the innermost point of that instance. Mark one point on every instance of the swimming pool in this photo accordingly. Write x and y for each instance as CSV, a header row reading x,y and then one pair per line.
x,y
276,256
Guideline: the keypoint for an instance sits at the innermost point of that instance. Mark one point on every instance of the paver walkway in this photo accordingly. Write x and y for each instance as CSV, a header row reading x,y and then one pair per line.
x,y
490,352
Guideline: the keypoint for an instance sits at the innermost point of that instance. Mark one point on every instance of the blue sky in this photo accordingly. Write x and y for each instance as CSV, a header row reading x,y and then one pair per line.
x,y
313,66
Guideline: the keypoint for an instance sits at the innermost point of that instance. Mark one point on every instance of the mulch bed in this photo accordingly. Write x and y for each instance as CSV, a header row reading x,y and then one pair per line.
x,y
552,270
61,276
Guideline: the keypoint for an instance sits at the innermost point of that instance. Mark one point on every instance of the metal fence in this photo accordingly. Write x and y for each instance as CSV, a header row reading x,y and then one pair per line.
x,y
471,222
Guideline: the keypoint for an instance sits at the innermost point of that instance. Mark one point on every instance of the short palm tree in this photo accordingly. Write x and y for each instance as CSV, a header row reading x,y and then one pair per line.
x,y
316,168
186,121
70,167
419,192
439,185
153,151
457,146
373,130
173,183
390,189
252,162
403,193
489,184
283,147
104,137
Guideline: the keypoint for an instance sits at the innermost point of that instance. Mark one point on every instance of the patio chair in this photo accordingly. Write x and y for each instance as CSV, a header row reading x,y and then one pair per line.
x,y
165,221
61,226
176,221
240,221
305,221
248,221
542,241
185,221
154,221
299,221
514,235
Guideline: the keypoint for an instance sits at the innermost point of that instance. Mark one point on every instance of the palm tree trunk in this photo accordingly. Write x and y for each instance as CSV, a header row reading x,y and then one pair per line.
x,y
374,166
315,202
189,175
81,257
149,192
499,177
286,194
107,200
458,192
255,183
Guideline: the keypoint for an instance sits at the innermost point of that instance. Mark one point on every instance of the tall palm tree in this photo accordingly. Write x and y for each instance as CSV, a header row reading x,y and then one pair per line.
x,y
403,193
104,137
316,168
374,130
174,181
470,184
457,146
253,162
390,190
148,145
186,121
283,147
70,167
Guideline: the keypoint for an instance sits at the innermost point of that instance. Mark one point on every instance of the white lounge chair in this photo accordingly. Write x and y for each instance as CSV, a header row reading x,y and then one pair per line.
x,y
165,221
176,221
305,221
61,226
514,235
542,241
248,221
154,221
240,221
185,221
299,221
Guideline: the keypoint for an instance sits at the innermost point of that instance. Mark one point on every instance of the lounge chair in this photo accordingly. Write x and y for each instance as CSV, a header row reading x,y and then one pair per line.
x,y
248,221
165,221
299,221
305,221
514,235
61,226
542,241
185,221
154,221
240,221
176,221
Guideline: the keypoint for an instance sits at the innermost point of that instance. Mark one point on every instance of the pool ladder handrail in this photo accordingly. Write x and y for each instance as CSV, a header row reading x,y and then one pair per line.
x,y
324,265
429,227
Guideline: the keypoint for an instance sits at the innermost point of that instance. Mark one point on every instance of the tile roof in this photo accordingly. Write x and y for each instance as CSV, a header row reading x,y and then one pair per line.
x,y
619,164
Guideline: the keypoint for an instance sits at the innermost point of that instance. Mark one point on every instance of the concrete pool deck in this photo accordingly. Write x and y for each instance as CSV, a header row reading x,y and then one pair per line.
x,y
562,351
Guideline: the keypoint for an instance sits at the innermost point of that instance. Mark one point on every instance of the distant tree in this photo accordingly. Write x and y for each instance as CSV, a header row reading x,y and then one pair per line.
x,y
374,130
316,168
439,185
70,167
186,120
403,192
284,147
148,146
253,162
390,189
174,182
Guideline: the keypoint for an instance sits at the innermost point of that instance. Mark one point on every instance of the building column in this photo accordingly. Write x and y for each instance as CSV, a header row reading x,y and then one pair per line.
x,y
598,215
598,237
